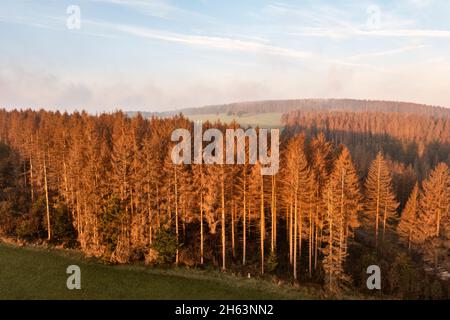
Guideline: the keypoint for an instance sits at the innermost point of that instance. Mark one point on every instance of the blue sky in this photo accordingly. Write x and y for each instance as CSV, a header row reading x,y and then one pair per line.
x,y
156,55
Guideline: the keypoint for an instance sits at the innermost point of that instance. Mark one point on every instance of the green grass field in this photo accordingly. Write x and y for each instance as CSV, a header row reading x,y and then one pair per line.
x,y
263,120
30,273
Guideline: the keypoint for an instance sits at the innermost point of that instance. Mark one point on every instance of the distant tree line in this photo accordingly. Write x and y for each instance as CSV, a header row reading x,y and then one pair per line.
x,y
284,106
107,184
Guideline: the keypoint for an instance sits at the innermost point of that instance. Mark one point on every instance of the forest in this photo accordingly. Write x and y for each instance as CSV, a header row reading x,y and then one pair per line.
x,y
354,189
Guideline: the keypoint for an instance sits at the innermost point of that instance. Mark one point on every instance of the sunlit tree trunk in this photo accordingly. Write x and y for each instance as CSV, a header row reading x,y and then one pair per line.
x,y
233,214
47,207
273,217
244,223
201,227
223,223
176,214
295,232
262,226
291,247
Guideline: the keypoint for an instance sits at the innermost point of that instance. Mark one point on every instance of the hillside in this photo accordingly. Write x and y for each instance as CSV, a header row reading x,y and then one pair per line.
x,y
283,106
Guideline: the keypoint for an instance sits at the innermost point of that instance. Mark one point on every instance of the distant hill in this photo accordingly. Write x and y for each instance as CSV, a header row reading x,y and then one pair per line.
x,y
283,106
146,114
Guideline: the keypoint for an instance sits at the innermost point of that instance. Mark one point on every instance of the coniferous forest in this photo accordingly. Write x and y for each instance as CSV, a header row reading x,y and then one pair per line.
x,y
354,189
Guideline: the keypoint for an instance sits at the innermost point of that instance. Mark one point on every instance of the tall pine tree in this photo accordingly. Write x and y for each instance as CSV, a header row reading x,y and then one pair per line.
x,y
342,199
408,220
380,203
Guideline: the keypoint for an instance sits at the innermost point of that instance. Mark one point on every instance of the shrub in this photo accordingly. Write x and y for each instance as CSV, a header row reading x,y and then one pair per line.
x,y
165,244
403,277
7,217
110,221
271,262
62,226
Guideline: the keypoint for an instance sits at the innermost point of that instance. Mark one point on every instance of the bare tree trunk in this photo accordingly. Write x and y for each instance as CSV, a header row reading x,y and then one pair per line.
x,y
300,232
77,201
150,215
31,180
287,223
263,228
330,239
385,215
341,226
378,206
316,240
295,236
49,229
244,224
330,243
66,182
310,240
272,207
201,227
176,214
291,248
233,213
223,224
275,227
184,216
158,208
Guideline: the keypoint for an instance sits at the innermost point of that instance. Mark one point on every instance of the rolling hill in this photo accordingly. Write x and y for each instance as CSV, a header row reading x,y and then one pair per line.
x,y
269,113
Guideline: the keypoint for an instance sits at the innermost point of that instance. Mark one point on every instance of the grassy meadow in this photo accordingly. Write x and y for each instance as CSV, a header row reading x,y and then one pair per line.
x,y
36,273
263,120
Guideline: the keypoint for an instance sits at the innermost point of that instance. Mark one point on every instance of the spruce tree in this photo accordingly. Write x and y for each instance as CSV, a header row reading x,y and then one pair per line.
x,y
380,204
321,150
435,202
298,180
406,227
433,223
342,200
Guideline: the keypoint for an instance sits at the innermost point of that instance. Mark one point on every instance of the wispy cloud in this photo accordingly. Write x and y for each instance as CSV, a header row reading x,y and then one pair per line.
x,y
420,3
352,32
223,43
51,23
320,15
329,22
387,52
408,33
156,8
26,21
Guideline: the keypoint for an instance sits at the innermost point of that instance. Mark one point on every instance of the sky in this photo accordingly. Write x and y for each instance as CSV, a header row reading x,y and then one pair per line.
x,y
159,55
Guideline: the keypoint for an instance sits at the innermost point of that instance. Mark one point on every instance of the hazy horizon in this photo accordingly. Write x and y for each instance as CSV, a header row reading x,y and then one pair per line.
x,y
161,55
169,110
